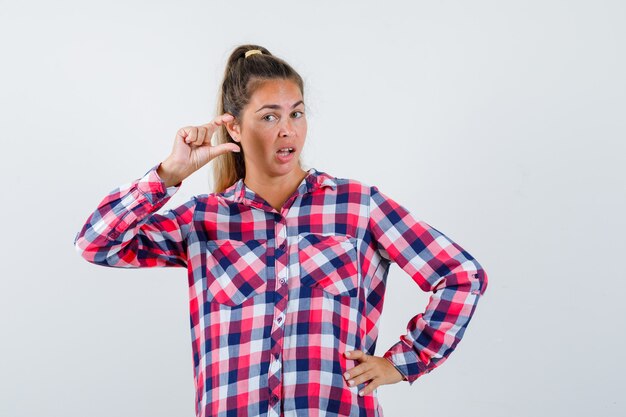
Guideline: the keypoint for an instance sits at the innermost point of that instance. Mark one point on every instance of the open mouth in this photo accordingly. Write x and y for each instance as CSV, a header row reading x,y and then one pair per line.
x,y
285,151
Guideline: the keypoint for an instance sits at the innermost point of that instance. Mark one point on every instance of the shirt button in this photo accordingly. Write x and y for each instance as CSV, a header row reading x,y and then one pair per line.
x,y
274,398
283,281
283,245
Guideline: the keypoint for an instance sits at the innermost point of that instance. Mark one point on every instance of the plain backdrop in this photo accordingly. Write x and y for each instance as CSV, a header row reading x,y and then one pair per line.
x,y
500,123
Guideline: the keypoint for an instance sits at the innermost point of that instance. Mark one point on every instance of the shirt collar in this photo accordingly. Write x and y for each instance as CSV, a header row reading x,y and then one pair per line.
x,y
314,180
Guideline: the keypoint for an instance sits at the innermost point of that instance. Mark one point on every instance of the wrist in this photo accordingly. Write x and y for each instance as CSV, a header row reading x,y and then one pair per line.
x,y
169,176
403,377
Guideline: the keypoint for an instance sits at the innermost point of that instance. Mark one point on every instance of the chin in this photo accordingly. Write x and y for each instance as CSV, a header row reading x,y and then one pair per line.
x,y
286,169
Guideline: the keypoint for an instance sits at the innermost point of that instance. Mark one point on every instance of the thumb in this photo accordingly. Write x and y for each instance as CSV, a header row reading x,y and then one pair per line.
x,y
223,148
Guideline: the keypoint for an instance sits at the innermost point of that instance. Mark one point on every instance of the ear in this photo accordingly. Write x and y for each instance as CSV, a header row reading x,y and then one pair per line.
x,y
234,129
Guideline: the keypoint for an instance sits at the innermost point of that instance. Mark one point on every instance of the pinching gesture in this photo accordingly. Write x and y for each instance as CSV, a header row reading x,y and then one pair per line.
x,y
192,150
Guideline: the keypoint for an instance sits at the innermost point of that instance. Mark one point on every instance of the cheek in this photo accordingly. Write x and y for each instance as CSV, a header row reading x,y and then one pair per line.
x,y
302,124
260,143
302,129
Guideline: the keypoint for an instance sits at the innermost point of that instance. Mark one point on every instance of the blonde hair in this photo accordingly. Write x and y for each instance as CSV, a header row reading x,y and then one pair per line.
x,y
242,76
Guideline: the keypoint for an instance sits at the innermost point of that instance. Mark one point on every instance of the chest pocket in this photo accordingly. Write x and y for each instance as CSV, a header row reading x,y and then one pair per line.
x,y
235,270
329,262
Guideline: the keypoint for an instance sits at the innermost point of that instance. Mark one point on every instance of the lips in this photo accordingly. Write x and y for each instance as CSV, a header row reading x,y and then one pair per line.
x,y
286,150
285,154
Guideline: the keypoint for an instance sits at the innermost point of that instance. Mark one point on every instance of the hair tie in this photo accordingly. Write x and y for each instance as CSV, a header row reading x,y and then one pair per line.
x,y
252,52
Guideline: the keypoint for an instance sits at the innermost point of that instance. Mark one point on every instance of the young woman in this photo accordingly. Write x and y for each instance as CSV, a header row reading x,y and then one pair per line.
x,y
286,267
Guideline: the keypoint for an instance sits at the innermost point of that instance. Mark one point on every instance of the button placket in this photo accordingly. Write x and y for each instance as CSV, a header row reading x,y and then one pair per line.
x,y
275,365
281,234
281,268
280,319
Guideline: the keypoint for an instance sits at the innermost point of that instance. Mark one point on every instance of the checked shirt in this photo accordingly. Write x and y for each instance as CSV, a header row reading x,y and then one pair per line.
x,y
277,297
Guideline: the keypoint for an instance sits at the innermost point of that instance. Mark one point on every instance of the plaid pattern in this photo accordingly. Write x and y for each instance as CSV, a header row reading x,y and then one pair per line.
x,y
277,297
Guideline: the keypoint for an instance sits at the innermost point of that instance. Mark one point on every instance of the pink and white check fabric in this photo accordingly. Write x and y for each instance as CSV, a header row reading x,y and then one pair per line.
x,y
277,297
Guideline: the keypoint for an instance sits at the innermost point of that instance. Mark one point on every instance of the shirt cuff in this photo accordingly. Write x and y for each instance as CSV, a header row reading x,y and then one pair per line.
x,y
146,196
406,361
153,187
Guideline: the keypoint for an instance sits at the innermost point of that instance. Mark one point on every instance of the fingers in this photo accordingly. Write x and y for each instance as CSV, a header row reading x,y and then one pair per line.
x,y
223,148
372,370
358,378
209,128
361,373
219,120
200,135
356,355
192,135
369,388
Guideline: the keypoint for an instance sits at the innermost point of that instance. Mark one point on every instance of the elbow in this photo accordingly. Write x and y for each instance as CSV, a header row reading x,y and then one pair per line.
x,y
90,252
81,246
480,281
468,277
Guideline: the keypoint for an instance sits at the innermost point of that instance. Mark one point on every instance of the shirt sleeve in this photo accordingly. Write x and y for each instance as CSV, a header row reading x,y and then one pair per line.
x,y
125,230
437,265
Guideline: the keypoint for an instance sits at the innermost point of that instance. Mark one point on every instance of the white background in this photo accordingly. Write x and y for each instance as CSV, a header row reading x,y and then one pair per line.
x,y
500,123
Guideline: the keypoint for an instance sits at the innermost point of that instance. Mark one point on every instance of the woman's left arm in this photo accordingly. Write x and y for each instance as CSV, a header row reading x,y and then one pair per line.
x,y
437,265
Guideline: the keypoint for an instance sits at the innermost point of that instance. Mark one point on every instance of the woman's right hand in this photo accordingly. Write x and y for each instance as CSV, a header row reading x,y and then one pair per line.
x,y
192,150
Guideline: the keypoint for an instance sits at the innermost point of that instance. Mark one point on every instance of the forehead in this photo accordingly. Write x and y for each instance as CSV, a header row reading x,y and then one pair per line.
x,y
278,91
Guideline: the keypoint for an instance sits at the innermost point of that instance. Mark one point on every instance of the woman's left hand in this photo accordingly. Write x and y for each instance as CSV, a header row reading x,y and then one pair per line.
x,y
373,369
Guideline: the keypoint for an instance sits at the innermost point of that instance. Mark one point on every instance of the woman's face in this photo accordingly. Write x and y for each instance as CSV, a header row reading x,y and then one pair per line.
x,y
272,121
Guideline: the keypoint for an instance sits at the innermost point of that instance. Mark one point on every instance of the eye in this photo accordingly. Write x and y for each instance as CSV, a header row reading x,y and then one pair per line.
x,y
298,111
267,116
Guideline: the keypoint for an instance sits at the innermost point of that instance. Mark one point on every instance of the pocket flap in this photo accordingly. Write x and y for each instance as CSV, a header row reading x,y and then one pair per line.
x,y
329,262
235,270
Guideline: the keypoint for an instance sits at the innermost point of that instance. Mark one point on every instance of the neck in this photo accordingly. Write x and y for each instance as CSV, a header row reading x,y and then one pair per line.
x,y
275,189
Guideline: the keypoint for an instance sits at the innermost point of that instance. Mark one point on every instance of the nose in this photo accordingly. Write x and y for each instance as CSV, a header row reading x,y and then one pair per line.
x,y
286,129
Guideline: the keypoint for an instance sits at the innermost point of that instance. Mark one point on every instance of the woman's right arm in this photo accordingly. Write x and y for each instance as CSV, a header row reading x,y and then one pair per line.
x,y
125,230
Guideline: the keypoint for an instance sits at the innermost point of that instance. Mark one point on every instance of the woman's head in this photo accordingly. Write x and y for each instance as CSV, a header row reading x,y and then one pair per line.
x,y
265,94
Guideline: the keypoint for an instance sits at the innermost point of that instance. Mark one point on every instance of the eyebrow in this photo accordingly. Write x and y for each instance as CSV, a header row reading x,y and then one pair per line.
x,y
276,106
